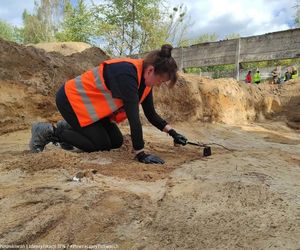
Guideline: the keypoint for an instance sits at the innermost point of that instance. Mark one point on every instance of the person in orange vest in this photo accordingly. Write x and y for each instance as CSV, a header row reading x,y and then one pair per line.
x,y
93,103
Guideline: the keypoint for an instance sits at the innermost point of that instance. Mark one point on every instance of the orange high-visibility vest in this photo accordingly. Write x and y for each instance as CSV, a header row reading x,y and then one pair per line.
x,y
91,100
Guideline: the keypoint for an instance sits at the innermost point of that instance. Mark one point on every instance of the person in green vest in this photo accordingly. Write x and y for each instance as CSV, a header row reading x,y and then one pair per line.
x,y
294,72
257,77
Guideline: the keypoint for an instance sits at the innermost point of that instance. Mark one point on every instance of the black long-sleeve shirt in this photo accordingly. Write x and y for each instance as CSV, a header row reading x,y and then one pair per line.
x,y
121,80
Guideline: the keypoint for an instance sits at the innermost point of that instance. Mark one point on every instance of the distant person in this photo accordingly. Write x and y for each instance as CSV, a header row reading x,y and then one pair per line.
x,y
92,104
248,78
257,77
276,75
294,72
288,74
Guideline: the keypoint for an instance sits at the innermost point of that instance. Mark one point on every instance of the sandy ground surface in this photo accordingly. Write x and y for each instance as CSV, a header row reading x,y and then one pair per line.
x,y
243,196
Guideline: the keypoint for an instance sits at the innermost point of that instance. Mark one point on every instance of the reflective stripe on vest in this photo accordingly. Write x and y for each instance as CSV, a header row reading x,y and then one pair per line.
x,y
88,105
107,95
89,96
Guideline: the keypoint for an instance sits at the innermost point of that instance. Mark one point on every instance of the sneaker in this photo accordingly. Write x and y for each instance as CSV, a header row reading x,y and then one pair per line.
x,y
60,126
42,133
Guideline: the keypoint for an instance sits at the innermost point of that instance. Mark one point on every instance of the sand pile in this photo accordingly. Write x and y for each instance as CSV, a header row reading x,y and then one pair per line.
x,y
65,48
221,100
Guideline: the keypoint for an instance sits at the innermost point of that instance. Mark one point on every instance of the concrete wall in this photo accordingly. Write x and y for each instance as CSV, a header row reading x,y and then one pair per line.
x,y
271,46
206,54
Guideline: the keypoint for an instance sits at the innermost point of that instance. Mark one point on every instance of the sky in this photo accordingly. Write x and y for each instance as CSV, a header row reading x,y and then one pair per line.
x,y
223,17
245,17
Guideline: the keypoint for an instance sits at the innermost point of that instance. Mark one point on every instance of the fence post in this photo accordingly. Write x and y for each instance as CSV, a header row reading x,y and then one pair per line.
x,y
237,59
181,59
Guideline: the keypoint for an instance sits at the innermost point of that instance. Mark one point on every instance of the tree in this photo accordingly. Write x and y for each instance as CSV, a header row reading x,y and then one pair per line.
x,y
152,29
177,26
7,31
43,24
78,24
137,26
129,26
34,30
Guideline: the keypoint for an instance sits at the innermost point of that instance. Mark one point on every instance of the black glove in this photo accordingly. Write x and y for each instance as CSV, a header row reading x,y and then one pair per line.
x,y
178,138
148,158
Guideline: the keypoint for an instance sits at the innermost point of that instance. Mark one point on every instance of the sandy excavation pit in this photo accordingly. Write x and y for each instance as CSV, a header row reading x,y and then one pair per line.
x,y
246,198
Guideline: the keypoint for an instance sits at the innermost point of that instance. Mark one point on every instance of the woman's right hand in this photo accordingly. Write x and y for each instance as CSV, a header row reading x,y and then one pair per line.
x,y
149,158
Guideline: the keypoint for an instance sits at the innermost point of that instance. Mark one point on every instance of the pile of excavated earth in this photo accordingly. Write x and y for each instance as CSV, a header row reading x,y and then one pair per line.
x,y
245,195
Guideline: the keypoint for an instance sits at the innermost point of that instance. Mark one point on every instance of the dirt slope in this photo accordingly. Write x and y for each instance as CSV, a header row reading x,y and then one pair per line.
x,y
228,101
244,196
29,79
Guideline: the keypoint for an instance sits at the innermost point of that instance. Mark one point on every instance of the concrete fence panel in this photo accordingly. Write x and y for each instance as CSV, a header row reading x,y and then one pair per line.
x,y
271,46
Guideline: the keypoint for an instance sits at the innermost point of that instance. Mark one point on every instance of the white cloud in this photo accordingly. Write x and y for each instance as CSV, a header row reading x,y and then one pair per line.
x,y
246,17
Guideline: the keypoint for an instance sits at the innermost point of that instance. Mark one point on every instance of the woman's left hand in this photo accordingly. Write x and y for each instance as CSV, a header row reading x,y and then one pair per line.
x,y
178,138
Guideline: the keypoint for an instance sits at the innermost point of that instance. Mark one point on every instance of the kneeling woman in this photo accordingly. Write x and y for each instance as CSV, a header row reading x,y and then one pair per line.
x,y
93,103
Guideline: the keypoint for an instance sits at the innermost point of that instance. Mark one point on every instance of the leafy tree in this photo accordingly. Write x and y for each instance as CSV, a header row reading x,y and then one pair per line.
x,y
7,31
129,26
78,24
152,30
122,27
43,24
34,30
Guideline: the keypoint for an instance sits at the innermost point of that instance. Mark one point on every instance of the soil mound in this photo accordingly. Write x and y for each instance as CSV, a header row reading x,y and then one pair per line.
x,y
221,100
64,48
30,78
44,71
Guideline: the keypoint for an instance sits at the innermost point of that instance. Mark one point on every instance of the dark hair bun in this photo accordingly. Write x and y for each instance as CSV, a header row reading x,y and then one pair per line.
x,y
166,50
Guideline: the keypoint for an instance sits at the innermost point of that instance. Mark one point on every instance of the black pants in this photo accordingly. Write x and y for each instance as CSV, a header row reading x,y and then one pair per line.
x,y
99,136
